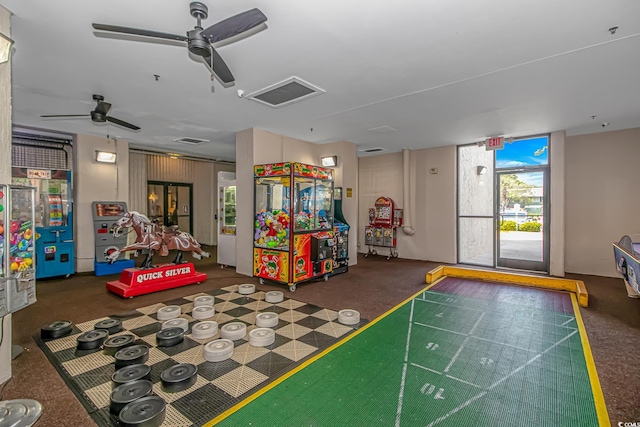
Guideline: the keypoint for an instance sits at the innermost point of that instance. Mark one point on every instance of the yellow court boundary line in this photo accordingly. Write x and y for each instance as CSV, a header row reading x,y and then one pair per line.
x,y
303,365
575,286
598,396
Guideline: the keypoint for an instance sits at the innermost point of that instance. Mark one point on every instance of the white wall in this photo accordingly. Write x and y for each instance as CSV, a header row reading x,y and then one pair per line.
x,y
601,198
5,175
244,201
433,198
95,181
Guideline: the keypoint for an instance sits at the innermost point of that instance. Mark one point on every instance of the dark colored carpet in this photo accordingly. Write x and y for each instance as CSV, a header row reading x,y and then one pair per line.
x,y
373,286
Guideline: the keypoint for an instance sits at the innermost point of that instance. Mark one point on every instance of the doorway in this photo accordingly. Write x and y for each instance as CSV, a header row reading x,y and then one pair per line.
x,y
171,204
503,205
522,235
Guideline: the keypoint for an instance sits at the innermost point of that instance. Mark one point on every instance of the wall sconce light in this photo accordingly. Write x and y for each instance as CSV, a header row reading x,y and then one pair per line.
x,y
329,161
105,157
5,48
482,170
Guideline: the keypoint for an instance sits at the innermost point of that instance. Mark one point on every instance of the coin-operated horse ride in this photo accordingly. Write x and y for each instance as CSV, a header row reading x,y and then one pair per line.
x,y
154,237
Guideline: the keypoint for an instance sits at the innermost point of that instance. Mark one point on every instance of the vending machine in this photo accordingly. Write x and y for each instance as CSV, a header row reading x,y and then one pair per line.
x,y
17,248
384,220
227,218
293,234
53,221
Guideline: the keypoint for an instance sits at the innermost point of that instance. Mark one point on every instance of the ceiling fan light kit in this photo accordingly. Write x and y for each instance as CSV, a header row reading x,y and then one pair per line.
x,y
200,40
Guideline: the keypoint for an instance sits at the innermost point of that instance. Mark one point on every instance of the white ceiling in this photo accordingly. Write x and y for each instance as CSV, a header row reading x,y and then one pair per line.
x,y
440,72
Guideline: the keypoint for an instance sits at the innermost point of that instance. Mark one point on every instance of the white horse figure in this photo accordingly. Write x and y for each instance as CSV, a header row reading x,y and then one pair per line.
x,y
155,237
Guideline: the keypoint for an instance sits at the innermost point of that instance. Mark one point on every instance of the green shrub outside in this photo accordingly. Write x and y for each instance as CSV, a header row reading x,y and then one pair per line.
x,y
530,226
508,226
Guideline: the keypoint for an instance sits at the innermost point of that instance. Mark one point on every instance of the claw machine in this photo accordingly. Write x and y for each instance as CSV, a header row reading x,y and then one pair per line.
x,y
54,219
227,218
293,230
17,254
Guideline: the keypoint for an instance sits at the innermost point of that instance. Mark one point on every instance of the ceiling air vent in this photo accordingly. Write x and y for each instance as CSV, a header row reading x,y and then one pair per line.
x,y
285,93
382,129
372,150
192,141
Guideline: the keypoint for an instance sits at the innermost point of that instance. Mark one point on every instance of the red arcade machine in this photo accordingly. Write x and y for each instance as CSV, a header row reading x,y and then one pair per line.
x,y
384,219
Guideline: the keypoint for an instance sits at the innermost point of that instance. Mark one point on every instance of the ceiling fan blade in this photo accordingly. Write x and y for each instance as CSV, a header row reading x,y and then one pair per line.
x,y
66,115
218,66
103,108
234,25
139,32
122,123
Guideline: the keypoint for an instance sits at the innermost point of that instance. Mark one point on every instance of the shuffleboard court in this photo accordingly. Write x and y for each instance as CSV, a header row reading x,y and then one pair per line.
x,y
460,353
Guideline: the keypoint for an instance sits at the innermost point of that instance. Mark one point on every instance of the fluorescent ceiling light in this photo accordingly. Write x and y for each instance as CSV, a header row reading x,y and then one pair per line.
x,y
105,157
5,48
329,161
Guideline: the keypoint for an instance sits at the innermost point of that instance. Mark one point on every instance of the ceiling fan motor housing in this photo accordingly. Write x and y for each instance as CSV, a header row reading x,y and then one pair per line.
x,y
98,117
198,45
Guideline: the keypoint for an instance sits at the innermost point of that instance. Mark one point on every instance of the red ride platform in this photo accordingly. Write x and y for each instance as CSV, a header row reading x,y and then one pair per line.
x,y
136,281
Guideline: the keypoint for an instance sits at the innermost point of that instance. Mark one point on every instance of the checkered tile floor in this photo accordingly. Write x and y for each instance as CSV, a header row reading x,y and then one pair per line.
x,y
303,330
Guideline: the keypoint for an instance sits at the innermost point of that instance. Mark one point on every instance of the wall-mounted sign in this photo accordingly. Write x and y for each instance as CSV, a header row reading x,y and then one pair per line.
x,y
349,192
494,143
39,173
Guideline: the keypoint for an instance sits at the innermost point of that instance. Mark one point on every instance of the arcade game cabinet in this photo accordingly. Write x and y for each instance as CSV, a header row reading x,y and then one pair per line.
x,y
53,221
105,214
293,235
340,235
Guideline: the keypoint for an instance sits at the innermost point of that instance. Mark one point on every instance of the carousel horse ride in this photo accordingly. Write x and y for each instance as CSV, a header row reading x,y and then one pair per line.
x,y
154,237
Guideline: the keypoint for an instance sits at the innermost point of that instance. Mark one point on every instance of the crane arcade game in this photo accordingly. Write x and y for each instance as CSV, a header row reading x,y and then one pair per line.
x,y
293,234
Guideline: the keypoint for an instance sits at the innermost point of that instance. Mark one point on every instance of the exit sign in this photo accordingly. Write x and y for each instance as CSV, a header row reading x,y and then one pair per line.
x,y
494,143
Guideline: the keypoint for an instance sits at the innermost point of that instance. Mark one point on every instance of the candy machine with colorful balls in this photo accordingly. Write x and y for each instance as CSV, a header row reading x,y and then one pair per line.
x,y
293,228
17,253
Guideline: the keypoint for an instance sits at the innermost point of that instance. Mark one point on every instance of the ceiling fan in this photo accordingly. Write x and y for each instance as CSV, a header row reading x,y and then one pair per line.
x,y
99,114
199,40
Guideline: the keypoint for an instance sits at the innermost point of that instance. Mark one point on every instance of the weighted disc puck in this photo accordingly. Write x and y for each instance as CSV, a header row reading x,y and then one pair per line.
x,y
110,325
19,412
179,377
127,393
92,339
169,337
131,373
274,297
233,331
132,355
205,329
203,312
203,300
169,312
58,329
262,337
146,412
113,344
349,317
246,289
177,323
218,350
267,320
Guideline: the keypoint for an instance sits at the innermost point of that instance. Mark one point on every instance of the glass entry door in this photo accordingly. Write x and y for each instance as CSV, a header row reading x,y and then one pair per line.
x,y
171,204
522,214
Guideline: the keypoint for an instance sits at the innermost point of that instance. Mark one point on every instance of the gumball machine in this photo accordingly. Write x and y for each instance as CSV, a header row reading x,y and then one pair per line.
x,y
17,254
